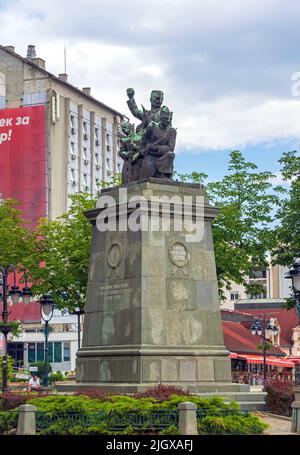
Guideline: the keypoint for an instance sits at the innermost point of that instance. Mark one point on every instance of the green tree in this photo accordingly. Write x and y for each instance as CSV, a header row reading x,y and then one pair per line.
x,y
10,366
60,261
16,241
288,232
242,231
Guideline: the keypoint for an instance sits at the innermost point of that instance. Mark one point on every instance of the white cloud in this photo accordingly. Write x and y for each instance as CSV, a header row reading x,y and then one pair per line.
x,y
236,122
225,68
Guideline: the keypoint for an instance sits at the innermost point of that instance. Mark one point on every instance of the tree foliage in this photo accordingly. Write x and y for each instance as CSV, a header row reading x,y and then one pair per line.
x,y
242,231
288,232
16,241
60,261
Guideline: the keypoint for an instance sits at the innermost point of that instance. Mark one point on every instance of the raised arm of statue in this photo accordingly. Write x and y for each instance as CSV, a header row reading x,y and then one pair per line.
x,y
133,106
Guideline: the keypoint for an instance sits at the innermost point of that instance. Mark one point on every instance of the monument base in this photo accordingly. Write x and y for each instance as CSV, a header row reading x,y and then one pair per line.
x,y
152,314
222,387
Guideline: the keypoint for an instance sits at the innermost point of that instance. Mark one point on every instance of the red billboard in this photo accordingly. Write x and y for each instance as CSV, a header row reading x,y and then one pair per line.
x,y
23,170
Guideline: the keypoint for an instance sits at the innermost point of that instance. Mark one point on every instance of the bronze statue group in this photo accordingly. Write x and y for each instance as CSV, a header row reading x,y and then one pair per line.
x,y
148,151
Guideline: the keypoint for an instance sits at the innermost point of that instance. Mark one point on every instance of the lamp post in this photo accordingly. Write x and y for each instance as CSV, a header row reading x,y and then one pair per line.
x,y
46,307
294,275
15,293
79,312
262,327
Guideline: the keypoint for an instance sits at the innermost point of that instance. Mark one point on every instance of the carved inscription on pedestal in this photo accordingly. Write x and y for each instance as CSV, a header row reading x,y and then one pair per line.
x,y
179,256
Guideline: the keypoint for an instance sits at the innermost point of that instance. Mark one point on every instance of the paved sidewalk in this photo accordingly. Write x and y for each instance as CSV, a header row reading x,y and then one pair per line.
x,y
277,424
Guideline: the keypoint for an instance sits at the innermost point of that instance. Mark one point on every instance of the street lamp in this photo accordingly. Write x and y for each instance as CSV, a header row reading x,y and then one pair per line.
x,y
79,312
15,293
46,307
294,275
263,327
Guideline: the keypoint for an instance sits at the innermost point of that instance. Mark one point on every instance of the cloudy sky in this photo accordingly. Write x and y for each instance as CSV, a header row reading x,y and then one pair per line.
x,y
226,67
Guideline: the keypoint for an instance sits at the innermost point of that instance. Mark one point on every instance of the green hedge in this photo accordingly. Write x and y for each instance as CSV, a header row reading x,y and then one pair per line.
x,y
216,417
213,409
232,424
41,368
8,421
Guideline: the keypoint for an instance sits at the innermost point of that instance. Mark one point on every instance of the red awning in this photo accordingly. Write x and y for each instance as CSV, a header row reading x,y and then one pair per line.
x,y
258,359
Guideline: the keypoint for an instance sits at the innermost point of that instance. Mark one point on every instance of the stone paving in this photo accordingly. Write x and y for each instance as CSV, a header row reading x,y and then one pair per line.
x,y
277,424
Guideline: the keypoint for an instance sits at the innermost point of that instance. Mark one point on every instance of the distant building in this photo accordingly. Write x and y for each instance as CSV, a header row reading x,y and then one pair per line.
x,y
29,346
272,280
287,320
55,139
245,349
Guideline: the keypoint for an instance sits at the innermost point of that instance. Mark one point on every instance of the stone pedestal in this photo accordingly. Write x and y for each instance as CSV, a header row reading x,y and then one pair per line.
x,y
295,426
152,313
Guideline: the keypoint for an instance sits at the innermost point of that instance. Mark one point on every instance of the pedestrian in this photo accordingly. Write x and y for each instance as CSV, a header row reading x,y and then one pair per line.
x,y
34,383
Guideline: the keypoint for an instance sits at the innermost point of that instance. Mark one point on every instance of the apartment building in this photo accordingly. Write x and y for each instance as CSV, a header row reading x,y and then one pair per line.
x,y
272,280
55,138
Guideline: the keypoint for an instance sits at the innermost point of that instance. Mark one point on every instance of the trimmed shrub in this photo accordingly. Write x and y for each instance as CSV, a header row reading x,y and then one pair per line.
x,y
10,364
11,400
172,430
8,421
161,392
280,396
232,424
41,368
94,394
57,376
216,417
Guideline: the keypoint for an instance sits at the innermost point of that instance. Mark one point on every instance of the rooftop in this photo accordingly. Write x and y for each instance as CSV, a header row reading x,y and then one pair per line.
x,y
85,94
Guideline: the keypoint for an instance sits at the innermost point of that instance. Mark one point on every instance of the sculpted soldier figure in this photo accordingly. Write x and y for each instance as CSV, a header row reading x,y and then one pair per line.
x,y
156,100
148,151
130,153
158,145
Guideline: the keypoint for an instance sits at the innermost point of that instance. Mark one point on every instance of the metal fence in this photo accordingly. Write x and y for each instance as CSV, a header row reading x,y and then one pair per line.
x,y
154,420
150,420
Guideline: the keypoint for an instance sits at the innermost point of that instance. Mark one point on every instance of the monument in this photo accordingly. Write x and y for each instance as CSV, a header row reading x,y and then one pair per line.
x,y
152,312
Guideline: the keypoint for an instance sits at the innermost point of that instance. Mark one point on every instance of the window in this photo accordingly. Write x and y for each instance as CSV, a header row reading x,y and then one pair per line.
x,y
96,133
85,157
31,352
57,352
67,351
73,176
96,158
40,354
234,296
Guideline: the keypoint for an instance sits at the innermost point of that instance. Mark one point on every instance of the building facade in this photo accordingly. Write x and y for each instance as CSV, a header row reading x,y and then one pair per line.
x,y
272,280
29,347
80,146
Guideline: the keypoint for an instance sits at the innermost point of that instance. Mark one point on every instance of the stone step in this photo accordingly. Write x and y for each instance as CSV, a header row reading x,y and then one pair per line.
x,y
252,405
237,396
251,401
